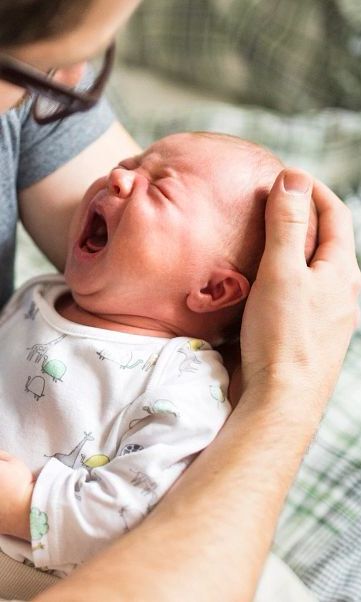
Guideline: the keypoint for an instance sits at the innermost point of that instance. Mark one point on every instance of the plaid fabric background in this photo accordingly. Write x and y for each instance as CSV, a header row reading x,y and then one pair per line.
x,y
300,62
282,54
326,143
286,74
319,532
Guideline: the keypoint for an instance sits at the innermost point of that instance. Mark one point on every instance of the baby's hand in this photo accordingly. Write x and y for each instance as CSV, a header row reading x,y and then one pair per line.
x,y
16,488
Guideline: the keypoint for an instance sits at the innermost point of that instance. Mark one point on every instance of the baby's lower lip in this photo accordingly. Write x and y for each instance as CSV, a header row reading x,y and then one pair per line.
x,y
82,253
102,216
95,236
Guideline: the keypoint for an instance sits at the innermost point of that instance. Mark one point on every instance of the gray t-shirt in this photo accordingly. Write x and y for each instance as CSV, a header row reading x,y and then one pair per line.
x,y
29,153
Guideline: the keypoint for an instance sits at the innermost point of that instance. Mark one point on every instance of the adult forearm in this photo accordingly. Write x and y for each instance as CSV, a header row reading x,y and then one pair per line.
x,y
208,538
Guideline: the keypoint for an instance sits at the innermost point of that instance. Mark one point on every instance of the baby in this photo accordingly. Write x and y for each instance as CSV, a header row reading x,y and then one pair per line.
x,y
110,386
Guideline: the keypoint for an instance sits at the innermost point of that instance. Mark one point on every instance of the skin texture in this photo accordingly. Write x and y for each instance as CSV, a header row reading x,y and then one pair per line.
x,y
163,198
46,208
272,425
286,380
201,197
167,198
48,222
18,487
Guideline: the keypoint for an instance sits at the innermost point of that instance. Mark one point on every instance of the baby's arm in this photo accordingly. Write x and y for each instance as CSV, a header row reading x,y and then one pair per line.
x,y
16,489
76,513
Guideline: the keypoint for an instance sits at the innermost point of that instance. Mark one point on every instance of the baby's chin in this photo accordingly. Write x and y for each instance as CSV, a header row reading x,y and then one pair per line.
x,y
66,274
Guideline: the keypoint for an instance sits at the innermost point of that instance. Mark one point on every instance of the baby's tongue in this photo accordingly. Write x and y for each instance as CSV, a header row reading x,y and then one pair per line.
x,y
98,240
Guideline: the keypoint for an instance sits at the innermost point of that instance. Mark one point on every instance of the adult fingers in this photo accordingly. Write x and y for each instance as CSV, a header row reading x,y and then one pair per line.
x,y
287,215
335,230
336,239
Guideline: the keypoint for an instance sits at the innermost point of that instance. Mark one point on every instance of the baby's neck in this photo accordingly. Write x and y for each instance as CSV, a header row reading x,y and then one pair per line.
x,y
141,325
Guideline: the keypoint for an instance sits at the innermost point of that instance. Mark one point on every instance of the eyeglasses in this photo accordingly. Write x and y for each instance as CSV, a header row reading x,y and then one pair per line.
x,y
54,100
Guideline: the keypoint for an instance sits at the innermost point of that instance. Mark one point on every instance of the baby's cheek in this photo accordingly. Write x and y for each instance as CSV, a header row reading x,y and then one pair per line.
x,y
311,239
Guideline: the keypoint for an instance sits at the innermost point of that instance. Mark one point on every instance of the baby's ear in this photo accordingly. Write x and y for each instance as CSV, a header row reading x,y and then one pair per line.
x,y
225,287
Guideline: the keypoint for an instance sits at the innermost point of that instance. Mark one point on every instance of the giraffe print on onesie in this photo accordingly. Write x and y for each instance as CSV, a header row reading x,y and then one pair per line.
x,y
106,420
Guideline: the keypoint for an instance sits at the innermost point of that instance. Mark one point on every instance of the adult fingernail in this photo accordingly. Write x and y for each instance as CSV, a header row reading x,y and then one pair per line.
x,y
296,182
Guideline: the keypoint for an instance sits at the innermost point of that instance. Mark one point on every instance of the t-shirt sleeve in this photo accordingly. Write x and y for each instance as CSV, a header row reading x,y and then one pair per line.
x,y
45,148
75,513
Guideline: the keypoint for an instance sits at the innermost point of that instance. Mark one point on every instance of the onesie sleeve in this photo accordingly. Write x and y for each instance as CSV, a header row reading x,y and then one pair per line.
x,y
76,513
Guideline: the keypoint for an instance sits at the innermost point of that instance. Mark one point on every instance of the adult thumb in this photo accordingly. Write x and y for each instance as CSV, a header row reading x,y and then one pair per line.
x,y
287,215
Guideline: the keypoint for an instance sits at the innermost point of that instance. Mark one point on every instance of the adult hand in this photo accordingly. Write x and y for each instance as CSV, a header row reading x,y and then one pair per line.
x,y
296,327
16,487
298,319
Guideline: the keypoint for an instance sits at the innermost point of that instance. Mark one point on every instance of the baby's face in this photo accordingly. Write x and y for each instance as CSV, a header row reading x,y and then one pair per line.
x,y
151,228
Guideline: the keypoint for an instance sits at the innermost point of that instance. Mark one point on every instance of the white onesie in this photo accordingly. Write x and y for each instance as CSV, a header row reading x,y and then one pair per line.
x,y
107,421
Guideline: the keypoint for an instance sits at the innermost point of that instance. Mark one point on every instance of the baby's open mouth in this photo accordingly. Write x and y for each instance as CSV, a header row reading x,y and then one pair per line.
x,y
95,235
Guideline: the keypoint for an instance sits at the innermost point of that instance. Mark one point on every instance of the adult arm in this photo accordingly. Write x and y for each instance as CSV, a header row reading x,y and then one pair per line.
x,y
46,207
208,538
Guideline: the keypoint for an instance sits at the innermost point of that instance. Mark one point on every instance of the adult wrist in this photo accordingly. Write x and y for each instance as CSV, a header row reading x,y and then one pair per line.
x,y
285,397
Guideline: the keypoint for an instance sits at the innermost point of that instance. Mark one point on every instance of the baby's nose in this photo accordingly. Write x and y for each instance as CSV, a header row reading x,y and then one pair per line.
x,y
121,182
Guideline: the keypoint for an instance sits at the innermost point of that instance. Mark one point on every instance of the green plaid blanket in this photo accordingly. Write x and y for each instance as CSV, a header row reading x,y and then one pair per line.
x,y
286,74
319,531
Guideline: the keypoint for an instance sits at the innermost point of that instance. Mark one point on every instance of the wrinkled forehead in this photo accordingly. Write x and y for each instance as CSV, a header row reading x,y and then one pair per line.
x,y
230,169
187,161
225,165
182,152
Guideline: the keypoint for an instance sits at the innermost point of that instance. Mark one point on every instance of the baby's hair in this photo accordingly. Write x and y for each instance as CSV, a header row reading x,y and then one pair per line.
x,y
244,239
243,248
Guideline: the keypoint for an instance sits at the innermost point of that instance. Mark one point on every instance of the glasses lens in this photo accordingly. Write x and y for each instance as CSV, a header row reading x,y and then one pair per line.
x,y
47,107
82,79
73,78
